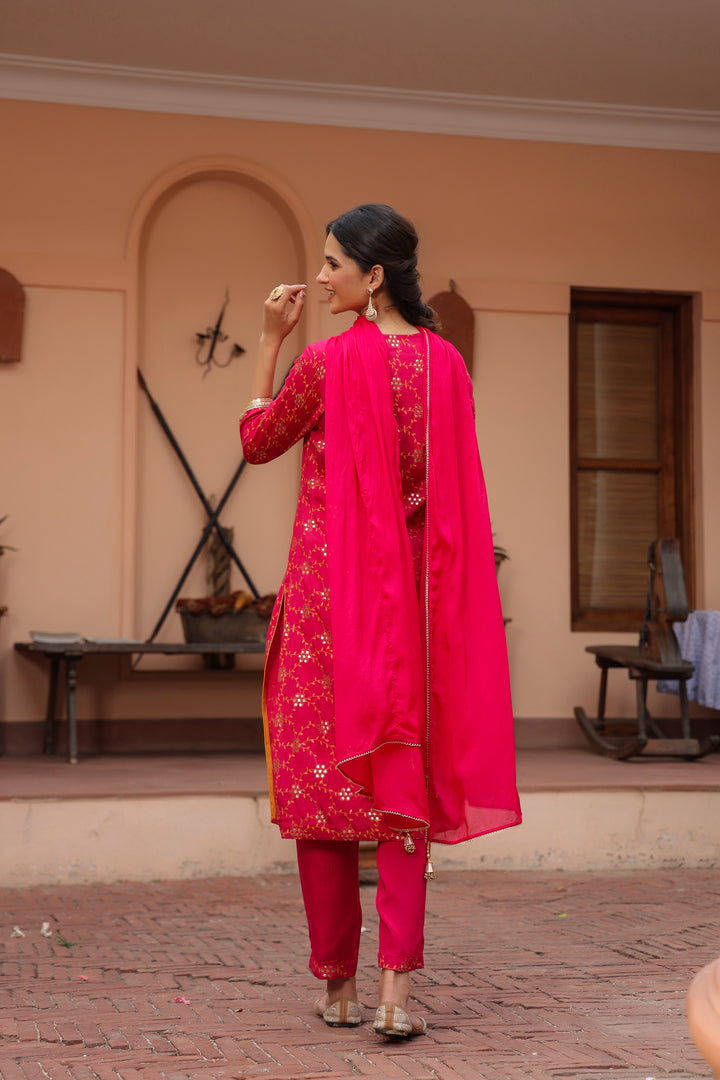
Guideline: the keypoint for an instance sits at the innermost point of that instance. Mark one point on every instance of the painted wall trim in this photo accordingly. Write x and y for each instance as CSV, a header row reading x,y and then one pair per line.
x,y
29,78
522,297
46,271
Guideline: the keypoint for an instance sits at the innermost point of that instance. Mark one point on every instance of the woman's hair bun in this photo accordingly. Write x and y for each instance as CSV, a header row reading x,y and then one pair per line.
x,y
376,235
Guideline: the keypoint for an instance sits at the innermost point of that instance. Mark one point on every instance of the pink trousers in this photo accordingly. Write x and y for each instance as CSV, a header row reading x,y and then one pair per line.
x,y
331,891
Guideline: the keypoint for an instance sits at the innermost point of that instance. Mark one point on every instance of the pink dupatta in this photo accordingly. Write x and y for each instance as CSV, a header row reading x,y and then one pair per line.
x,y
422,725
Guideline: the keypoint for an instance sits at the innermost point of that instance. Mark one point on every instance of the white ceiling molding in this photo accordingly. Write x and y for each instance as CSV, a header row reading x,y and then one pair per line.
x,y
77,83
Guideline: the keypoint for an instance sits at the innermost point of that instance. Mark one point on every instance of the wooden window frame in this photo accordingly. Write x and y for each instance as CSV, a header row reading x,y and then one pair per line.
x,y
679,514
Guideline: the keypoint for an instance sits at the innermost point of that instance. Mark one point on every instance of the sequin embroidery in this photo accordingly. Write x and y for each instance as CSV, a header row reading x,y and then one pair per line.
x,y
312,798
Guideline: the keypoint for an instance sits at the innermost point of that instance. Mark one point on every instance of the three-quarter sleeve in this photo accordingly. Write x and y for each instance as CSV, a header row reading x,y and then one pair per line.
x,y
268,430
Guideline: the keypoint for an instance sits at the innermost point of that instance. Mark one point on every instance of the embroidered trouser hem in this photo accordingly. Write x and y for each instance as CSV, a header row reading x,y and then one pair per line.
x,y
330,885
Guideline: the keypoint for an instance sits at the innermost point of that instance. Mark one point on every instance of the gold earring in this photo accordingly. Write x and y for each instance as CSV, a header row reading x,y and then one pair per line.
x,y
371,313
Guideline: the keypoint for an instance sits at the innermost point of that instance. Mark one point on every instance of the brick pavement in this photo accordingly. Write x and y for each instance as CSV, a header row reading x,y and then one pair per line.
x,y
535,975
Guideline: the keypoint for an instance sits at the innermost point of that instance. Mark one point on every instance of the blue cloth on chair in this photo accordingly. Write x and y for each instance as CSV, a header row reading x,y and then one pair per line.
x,y
699,641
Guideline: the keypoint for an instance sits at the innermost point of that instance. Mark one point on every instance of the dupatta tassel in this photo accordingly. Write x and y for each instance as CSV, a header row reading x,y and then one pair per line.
x,y
409,844
429,872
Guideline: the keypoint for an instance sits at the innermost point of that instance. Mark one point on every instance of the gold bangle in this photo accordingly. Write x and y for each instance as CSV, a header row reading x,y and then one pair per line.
x,y
257,403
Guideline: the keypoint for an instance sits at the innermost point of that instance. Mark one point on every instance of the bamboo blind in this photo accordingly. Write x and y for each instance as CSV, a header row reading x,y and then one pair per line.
x,y
618,455
617,391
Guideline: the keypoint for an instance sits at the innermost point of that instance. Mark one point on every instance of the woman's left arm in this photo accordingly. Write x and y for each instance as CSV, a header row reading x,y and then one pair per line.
x,y
269,428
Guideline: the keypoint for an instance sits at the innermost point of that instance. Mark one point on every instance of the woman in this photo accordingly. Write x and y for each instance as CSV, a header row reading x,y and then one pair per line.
x,y
386,698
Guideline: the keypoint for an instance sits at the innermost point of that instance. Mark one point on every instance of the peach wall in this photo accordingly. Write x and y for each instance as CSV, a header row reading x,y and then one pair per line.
x,y
514,224
61,453
529,515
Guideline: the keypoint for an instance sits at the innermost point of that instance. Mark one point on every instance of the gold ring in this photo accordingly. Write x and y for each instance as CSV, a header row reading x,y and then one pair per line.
x,y
276,293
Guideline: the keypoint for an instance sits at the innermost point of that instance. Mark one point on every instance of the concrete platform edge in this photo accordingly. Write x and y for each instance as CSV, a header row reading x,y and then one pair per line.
x,y
83,841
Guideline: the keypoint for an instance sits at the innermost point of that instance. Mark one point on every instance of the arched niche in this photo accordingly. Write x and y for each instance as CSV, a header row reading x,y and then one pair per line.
x,y
212,228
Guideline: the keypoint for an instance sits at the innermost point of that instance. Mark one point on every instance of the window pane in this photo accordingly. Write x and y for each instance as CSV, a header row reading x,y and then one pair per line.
x,y
618,520
617,386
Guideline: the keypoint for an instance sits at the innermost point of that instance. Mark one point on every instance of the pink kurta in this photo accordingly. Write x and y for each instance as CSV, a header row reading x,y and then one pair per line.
x,y
310,798
387,697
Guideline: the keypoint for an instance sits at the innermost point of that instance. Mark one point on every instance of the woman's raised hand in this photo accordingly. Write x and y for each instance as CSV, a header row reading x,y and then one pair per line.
x,y
283,308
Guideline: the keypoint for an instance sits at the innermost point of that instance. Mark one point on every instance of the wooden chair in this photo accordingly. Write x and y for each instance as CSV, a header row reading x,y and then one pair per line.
x,y
656,656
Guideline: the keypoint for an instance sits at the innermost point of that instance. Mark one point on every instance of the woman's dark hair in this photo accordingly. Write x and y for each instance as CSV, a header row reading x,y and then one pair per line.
x,y
376,235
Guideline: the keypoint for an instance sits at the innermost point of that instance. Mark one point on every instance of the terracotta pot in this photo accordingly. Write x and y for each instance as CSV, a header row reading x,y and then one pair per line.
x,y
233,626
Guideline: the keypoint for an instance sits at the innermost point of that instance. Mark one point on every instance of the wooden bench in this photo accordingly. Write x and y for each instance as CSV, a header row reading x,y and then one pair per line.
x,y
70,654
656,656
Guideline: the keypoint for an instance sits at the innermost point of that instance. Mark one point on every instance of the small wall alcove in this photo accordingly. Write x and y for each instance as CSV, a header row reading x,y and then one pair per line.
x,y
457,323
12,314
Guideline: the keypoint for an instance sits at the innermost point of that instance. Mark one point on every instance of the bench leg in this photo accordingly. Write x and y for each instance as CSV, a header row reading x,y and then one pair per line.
x,y
642,714
70,688
641,693
602,697
684,709
51,720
